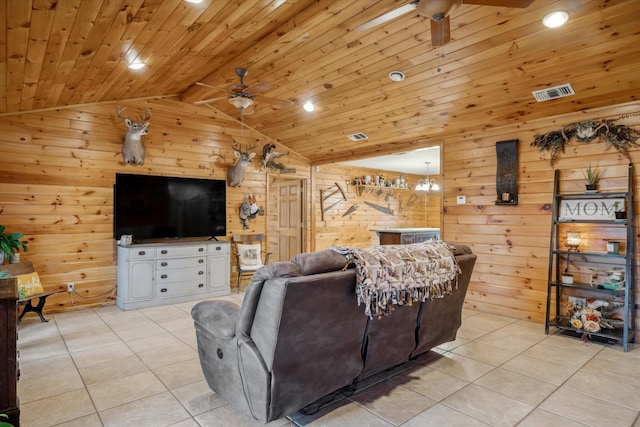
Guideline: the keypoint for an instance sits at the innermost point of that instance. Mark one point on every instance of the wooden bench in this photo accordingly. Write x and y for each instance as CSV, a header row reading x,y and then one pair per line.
x,y
26,268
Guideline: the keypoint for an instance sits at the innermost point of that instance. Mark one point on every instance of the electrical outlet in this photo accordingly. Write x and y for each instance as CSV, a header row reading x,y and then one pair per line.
x,y
70,287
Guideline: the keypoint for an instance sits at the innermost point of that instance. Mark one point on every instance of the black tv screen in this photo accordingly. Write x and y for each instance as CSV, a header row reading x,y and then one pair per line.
x,y
161,207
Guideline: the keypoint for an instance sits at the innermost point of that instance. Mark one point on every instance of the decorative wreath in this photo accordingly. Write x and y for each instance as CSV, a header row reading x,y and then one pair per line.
x,y
621,137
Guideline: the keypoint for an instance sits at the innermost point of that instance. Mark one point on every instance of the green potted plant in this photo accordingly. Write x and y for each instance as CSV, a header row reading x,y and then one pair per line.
x,y
10,244
592,176
619,211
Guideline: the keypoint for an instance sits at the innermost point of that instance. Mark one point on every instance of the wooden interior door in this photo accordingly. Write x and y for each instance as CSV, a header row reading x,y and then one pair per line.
x,y
286,238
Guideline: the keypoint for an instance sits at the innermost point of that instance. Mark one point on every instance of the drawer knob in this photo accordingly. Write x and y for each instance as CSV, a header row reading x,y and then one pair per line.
x,y
200,273
201,285
164,276
200,261
164,251
200,249
142,253
164,264
163,290
218,248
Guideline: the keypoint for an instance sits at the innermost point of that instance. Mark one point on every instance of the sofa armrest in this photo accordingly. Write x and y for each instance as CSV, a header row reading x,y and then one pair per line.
x,y
216,317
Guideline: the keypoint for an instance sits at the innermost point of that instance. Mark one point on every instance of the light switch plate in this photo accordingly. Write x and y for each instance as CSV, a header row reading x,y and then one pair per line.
x,y
462,200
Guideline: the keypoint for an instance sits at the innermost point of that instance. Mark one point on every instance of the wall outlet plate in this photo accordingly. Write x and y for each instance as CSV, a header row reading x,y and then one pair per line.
x,y
70,287
462,200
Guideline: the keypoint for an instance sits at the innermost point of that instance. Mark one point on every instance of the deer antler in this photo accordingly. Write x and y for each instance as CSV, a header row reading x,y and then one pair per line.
x,y
147,115
120,110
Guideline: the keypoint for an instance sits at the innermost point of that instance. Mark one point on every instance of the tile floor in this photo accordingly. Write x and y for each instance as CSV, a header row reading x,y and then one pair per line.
x,y
106,367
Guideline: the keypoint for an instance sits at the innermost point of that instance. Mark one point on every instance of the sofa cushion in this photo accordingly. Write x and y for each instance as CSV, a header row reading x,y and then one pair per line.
x,y
319,262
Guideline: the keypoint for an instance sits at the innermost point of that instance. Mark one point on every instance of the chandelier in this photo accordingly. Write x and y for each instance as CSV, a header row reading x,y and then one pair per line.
x,y
427,184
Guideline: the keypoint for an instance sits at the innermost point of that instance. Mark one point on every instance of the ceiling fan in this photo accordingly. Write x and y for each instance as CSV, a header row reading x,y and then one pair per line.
x,y
438,12
242,96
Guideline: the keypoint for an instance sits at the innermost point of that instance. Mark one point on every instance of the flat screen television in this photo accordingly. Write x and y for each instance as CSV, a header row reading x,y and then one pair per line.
x,y
162,207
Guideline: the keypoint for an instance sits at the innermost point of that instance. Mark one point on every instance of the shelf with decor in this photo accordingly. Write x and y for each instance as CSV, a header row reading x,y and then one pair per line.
x,y
366,189
592,269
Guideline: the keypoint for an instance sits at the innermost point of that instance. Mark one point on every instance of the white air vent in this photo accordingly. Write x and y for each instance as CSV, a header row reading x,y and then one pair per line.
x,y
553,92
358,136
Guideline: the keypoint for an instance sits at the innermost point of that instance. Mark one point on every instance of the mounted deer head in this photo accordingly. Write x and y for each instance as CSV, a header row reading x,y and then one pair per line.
x,y
133,149
235,173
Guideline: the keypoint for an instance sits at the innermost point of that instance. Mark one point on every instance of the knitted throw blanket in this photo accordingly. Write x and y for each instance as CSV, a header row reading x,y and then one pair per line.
x,y
401,274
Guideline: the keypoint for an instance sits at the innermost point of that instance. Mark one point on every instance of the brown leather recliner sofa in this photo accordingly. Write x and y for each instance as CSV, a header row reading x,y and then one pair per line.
x,y
300,335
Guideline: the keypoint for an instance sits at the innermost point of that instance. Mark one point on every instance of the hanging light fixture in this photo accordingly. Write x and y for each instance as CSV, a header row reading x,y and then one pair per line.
x,y
427,184
241,102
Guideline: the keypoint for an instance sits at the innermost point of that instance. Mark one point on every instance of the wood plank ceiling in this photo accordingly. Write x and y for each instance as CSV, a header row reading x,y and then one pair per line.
x,y
56,53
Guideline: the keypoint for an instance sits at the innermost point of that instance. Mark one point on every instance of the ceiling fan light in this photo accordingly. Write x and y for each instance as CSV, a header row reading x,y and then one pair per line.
x,y
240,102
555,19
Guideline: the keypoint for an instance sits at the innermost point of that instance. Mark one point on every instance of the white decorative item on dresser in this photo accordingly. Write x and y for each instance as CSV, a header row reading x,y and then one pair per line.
x,y
153,274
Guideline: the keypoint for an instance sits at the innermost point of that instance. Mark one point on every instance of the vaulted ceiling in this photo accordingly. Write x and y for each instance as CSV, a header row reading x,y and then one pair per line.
x,y
57,53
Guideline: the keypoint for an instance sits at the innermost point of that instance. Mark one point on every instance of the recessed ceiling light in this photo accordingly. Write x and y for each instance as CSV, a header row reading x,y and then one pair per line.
x,y
396,76
555,19
193,1
308,106
137,65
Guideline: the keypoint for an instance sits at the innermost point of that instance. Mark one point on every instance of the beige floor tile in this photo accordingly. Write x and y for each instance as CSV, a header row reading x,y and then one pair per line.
x,y
145,329
60,379
170,354
56,409
187,336
128,389
572,343
106,353
179,323
488,322
159,410
80,321
460,367
186,423
494,356
470,333
181,373
104,371
44,348
616,355
119,320
542,370
448,346
541,418
512,338
621,372
391,402
517,386
340,414
86,340
441,416
570,357
41,367
198,397
92,420
430,383
570,403
606,388
163,313
488,406
155,342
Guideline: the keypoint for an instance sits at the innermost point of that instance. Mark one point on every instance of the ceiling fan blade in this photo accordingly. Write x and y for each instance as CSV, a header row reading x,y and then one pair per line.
x,y
500,3
211,87
278,103
258,87
440,32
388,16
208,101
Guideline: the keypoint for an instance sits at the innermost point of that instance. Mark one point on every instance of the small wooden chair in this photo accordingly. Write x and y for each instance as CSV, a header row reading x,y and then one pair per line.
x,y
249,253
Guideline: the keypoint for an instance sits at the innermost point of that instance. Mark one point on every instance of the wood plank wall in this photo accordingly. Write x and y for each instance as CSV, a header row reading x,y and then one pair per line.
x,y
512,242
355,229
57,172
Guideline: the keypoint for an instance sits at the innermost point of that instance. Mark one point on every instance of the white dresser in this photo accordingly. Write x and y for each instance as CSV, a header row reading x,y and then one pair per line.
x,y
154,274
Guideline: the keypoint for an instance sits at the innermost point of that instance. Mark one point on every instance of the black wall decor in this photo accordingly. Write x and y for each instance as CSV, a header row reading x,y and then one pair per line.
x,y
507,172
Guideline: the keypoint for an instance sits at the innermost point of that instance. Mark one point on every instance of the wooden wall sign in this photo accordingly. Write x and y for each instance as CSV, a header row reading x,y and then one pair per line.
x,y
590,209
507,172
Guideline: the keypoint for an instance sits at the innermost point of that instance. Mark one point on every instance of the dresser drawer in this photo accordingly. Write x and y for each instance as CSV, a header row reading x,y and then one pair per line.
x,y
181,251
181,288
173,275
218,248
169,263
141,253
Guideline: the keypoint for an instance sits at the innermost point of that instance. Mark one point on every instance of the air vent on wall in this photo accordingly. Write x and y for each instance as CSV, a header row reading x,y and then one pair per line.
x,y
553,92
358,136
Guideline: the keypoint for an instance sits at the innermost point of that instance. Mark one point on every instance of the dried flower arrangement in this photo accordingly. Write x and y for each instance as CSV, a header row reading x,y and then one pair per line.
x,y
620,137
592,315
